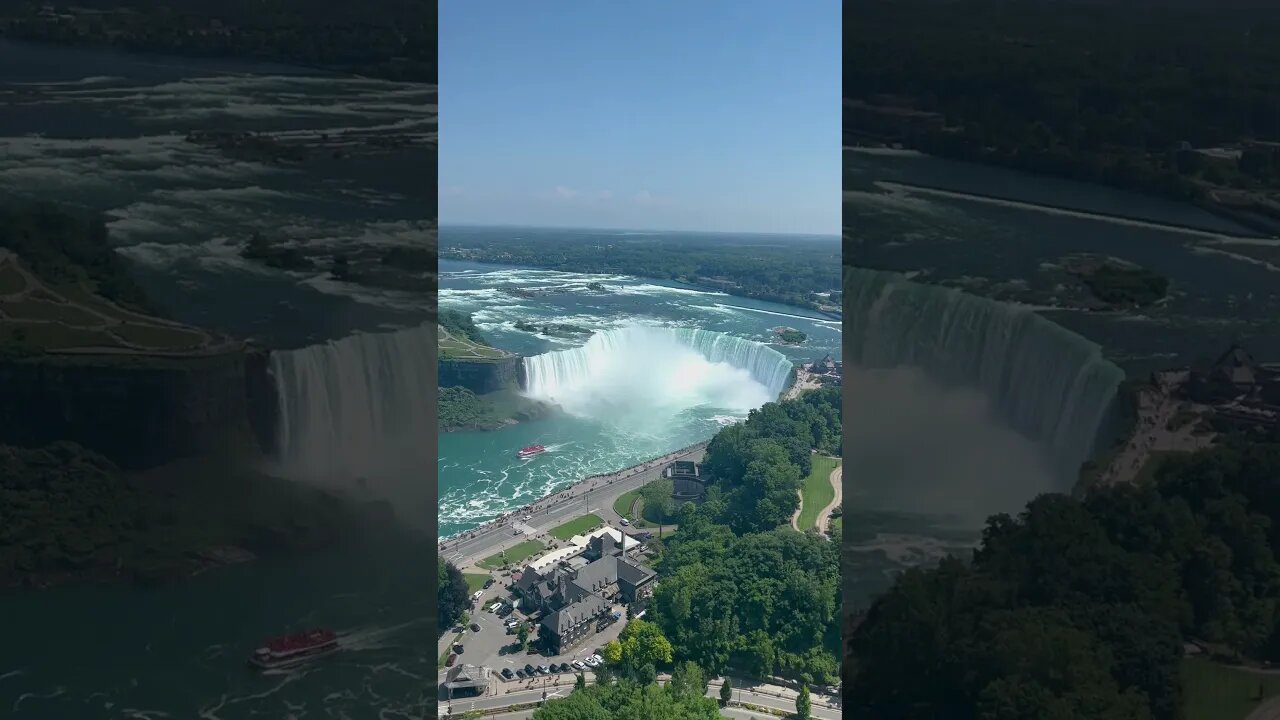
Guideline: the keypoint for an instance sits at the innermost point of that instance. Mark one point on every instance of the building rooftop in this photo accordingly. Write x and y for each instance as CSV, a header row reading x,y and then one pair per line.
x,y
467,677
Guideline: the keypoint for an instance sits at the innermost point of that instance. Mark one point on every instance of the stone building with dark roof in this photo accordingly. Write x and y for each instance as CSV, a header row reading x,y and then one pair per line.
x,y
686,479
571,599
465,679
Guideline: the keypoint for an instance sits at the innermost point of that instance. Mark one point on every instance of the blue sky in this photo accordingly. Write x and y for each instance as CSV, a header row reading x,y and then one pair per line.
x,y
718,115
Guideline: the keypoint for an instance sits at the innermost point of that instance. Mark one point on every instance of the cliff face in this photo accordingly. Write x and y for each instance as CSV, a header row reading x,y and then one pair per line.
x,y
482,377
140,412
263,399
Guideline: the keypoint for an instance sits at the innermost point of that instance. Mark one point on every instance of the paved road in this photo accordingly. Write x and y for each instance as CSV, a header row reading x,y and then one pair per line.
x,y
1269,710
730,712
713,691
594,496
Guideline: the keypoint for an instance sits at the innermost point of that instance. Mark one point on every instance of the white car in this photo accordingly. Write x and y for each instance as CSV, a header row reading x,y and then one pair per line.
x,y
599,660
579,665
590,661
476,595
625,522
526,518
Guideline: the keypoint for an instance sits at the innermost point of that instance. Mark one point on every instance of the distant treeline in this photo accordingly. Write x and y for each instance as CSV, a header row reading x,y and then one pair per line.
x,y
394,39
1100,91
785,271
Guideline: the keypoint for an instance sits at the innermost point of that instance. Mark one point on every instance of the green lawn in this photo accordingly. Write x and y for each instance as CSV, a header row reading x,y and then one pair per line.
x,y
450,346
576,526
521,552
475,581
50,312
623,504
816,493
1212,691
158,336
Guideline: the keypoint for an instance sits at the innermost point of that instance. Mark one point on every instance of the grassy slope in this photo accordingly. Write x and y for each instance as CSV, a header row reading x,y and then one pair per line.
x,y
576,526
515,555
816,492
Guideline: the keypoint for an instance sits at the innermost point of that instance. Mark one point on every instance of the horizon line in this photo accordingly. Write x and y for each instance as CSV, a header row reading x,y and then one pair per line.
x,y
440,224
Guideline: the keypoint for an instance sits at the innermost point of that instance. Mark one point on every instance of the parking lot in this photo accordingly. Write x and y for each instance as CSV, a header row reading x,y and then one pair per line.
x,y
494,648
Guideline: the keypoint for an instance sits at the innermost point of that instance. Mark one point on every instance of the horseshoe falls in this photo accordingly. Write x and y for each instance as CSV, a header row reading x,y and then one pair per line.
x,y
642,375
1044,381
356,407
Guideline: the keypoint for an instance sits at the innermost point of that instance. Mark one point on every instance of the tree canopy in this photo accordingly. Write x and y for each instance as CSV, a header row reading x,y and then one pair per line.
x,y
628,700
760,464
452,597
1097,90
788,271
1080,607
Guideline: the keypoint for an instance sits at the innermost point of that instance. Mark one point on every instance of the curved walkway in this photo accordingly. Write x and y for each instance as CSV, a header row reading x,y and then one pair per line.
x,y
824,517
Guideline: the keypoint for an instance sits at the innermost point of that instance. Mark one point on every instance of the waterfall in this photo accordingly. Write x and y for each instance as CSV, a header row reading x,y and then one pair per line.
x,y
658,370
356,407
1047,382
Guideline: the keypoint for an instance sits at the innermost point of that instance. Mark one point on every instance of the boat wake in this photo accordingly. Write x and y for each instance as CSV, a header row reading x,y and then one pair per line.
x,y
373,638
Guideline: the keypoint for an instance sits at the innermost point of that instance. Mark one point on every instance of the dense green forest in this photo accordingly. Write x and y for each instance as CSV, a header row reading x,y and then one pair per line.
x,y
1080,607
65,247
760,464
458,408
460,324
452,598
1100,91
757,597
737,587
781,270
681,699
393,39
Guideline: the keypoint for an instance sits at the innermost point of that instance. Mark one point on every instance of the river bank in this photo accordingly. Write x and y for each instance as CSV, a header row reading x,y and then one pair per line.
x,y
566,495
1235,206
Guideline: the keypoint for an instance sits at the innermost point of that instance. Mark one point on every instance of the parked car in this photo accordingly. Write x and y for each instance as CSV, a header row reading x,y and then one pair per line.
x,y
590,661
475,627
458,647
457,628
506,673
453,657
599,660
579,665
520,674
528,669
488,583
476,595
544,669
625,522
